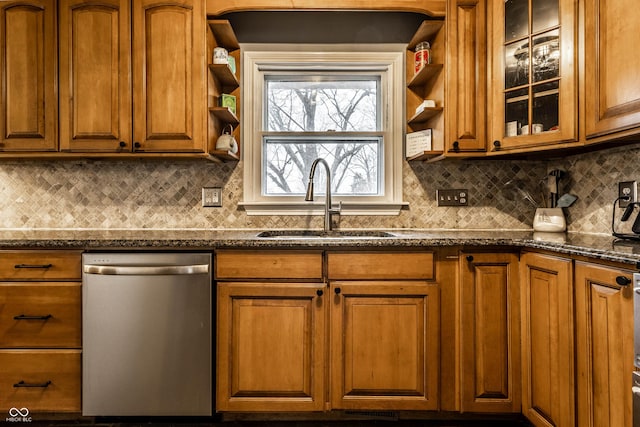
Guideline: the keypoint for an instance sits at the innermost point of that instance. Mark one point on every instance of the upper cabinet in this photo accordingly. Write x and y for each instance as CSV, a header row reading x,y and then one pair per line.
x,y
28,121
466,74
132,76
533,82
95,76
612,70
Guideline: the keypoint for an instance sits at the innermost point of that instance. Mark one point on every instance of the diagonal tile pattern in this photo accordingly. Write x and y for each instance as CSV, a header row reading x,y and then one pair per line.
x,y
167,194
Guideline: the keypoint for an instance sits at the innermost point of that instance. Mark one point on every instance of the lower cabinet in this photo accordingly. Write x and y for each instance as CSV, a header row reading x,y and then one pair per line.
x,y
347,330
385,330
271,346
271,331
604,326
548,375
384,345
490,332
368,330
40,331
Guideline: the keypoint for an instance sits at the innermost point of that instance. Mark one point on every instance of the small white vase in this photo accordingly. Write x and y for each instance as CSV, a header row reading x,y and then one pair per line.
x,y
550,220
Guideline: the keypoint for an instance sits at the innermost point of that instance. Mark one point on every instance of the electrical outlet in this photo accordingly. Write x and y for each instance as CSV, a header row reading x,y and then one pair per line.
x,y
627,188
457,197
211,197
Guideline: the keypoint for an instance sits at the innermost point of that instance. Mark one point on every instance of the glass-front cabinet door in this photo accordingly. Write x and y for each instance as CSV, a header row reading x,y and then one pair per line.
x,y
533,87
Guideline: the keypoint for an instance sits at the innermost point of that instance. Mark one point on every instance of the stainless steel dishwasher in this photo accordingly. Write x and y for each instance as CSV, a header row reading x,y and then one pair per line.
x,y
146,334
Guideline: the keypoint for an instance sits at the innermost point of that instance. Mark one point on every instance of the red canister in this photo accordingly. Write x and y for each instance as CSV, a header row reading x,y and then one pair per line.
x,y
422,56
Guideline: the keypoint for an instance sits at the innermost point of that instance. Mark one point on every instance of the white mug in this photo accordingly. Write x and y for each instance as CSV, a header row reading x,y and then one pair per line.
x,y
226,141
220,55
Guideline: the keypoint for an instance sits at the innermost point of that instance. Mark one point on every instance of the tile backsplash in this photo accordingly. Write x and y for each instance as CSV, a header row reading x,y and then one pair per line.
x,y
96,194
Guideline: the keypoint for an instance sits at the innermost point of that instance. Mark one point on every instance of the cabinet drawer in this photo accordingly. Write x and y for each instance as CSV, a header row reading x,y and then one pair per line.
x,y
40,380
381,265
40,265
231,264
40,314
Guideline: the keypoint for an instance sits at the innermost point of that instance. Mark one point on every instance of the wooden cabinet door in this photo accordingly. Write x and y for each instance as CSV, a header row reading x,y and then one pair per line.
x,y
270,347
547,340
28,75
169,75
384,345
490,332
466,76
604,317
534,78
95,75
612,70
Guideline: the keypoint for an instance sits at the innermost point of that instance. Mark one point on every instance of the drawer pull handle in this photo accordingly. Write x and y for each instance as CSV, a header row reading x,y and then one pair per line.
x,y
33,266
33,385
25,317
623,281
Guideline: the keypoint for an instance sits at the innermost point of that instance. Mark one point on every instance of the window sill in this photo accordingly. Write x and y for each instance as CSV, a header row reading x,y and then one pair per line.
x,y
317,208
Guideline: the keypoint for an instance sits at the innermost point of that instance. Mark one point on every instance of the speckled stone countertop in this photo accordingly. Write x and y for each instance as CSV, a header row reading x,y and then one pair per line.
x,y
594,246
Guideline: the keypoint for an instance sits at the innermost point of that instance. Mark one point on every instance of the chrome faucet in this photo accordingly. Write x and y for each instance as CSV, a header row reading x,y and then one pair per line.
x,y
328,209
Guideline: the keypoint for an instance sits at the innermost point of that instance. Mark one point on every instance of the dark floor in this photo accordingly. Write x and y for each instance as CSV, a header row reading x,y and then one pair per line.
x,y
164,422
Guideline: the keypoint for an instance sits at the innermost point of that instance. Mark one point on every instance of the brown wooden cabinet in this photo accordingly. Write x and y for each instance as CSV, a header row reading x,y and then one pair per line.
x,y
604,349
490,332
271,344
466,77
271,332
384,331
132,76
40,331
611,70
548,376
28,67
533,75
95,76
277,352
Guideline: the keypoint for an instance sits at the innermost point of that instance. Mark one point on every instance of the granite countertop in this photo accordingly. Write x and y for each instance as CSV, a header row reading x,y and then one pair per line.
x,y
595,246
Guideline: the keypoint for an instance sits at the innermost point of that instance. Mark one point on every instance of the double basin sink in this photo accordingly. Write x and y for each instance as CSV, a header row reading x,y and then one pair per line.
x,y
320,234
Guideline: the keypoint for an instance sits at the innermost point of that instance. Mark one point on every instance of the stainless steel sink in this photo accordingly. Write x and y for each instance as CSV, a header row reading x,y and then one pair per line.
x,y
320,234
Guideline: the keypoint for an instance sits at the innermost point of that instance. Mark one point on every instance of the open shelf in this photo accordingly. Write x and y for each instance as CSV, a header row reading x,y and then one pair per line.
x,y
424,75
427,155
223,33
224,114
225,155
426,32
225,76
425,115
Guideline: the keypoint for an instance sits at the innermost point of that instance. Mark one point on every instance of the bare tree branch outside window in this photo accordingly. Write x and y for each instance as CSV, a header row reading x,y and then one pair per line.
x,y
323,117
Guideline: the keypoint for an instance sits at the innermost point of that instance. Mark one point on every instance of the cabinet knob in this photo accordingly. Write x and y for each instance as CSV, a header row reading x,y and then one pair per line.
x,y
623,280
136,145
319,292
337,291
122,144
496,144
470,258
456,146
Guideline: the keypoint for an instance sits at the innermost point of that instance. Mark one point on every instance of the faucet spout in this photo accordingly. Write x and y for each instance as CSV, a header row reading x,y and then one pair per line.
x,y
328,209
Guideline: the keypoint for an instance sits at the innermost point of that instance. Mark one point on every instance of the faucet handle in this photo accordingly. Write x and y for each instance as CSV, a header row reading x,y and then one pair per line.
x,y
337,210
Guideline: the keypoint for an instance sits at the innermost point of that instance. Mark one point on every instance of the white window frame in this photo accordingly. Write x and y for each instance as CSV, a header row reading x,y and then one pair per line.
x,y
260,58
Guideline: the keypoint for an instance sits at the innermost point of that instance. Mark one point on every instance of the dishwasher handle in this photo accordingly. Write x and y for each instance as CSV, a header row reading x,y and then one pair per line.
x,y
146,270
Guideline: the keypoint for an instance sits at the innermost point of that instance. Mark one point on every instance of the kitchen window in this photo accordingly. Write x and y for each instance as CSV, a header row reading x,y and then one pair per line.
x,y
337,102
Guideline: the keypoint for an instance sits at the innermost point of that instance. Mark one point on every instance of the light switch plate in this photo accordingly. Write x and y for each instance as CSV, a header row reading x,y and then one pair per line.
x,y
457,197
211,197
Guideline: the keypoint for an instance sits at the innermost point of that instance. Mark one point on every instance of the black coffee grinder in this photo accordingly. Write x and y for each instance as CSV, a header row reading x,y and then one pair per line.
x,y
625,217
